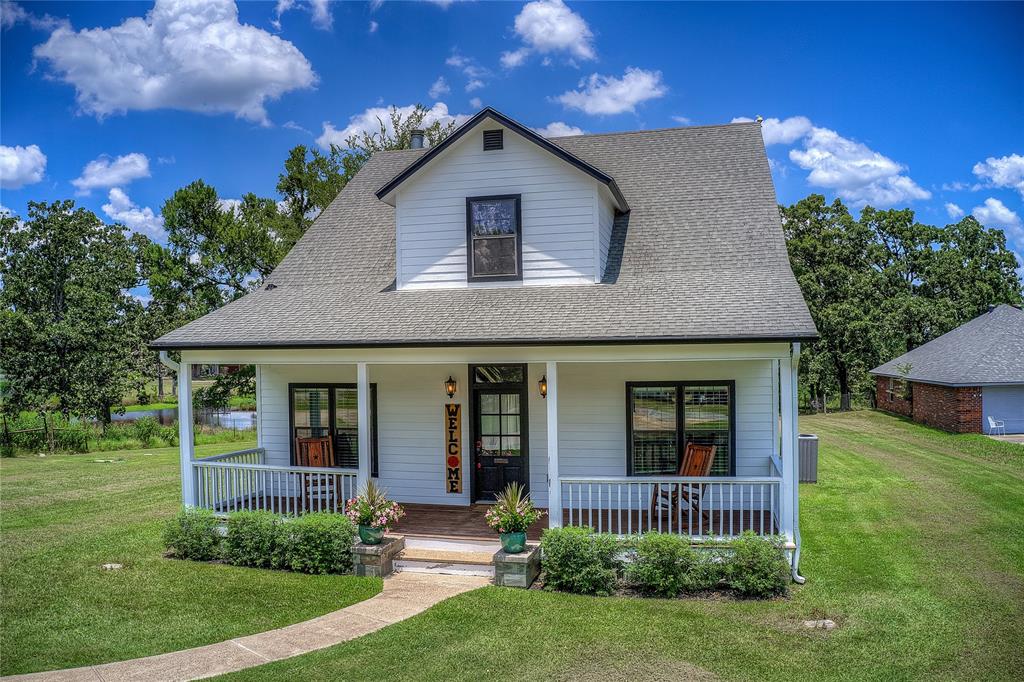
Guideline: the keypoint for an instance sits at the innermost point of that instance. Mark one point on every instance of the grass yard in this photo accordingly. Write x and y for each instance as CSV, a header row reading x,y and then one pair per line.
x,y
913,543
62,517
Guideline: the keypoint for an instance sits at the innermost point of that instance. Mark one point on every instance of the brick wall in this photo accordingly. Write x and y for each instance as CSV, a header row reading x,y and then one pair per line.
x,y
894,403
944,407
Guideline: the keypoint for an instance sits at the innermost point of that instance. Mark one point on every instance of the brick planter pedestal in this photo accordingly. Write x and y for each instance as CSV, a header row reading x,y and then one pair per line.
x,y
517,570
376,561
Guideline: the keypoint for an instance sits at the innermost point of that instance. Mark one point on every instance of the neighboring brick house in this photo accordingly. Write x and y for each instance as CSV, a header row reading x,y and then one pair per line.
x,y
963,379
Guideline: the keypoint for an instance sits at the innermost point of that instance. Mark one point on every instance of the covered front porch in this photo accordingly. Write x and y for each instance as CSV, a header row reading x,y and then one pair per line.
x,y
582,431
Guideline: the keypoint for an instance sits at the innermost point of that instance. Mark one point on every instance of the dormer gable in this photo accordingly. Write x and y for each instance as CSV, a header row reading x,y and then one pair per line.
x,y
495,204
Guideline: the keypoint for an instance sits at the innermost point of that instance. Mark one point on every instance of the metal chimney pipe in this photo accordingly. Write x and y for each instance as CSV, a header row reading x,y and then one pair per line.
x,y
416,139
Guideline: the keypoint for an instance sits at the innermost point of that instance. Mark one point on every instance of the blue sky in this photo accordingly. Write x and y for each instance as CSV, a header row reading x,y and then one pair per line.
x,y
118,104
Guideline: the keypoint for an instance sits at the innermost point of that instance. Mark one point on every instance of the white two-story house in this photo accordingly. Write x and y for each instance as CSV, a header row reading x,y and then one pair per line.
x,y
569,314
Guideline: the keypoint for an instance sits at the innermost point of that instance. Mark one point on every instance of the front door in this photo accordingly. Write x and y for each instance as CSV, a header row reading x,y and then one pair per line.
x,y
500,449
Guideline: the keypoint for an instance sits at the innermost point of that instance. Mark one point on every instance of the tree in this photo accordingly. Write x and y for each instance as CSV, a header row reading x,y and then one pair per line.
x,y
830,254
69,325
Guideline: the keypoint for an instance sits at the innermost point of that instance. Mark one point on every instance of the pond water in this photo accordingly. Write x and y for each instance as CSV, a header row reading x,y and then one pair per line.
x,y
230,419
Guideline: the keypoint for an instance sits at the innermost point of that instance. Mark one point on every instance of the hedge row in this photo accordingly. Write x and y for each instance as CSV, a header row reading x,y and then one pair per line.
x,y
659,564
312,543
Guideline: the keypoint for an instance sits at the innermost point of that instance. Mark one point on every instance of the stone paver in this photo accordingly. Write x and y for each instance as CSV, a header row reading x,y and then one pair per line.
x,y
404,595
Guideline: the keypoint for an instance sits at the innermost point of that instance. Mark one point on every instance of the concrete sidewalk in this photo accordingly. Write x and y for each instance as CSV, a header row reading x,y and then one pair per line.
x,y
404,595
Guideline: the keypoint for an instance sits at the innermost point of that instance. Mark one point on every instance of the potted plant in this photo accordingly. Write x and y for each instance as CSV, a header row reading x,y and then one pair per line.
x,y
373,512
512,514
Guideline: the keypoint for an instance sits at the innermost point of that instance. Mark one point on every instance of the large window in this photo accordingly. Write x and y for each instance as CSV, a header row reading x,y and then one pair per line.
x,y
665,416
319,410
494,238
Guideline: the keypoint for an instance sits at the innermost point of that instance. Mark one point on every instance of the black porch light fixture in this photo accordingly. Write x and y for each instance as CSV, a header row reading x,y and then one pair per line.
x,y
450,386
543,386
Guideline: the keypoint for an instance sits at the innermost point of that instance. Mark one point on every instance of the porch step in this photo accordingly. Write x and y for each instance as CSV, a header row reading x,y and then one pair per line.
x,y
443,567
446,556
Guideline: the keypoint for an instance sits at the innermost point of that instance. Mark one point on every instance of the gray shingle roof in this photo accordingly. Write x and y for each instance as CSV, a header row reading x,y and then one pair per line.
x,y
987,350
700,257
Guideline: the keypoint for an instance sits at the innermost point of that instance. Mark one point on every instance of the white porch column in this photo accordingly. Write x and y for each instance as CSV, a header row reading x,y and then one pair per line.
x,y
787,399
363,407
554,487
186,442
259,406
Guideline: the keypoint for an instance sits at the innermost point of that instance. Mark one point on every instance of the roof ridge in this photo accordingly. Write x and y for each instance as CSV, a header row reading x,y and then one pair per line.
x,y
659,130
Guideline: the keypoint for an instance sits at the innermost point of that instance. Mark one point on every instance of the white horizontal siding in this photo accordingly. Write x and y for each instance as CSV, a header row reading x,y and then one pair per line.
x,y
592,416
558,215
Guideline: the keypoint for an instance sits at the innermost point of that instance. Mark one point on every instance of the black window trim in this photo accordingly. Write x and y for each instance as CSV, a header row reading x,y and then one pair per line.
x,y
470,277
374,459
680,419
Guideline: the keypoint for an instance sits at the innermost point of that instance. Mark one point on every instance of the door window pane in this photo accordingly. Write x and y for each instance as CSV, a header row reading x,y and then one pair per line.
x,y
490,425
510,446
490,445
489,403
510,403
510,425
654,430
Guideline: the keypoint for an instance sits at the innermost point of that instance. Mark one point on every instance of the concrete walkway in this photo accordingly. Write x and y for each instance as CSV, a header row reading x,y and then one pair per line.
x,y
404,595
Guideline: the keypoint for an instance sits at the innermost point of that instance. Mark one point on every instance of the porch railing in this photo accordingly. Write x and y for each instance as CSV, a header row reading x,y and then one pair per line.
x,y
239,481
709,506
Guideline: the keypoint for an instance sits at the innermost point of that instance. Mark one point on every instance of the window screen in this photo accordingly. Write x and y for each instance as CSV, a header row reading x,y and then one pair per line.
x,y
663,418
331,410
494,238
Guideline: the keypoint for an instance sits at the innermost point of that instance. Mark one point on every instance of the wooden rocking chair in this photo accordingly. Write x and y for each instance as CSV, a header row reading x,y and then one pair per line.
x,y
696,462
316,452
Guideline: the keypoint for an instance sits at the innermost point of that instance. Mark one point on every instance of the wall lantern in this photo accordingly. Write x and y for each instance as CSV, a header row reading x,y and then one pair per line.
x,y
449,386
543,386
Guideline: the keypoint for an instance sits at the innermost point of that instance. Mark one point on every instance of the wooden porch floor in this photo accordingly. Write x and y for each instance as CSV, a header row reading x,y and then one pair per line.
x,y
449,521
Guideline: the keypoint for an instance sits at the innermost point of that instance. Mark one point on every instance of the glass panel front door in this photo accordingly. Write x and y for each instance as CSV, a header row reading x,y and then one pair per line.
x,y
499,429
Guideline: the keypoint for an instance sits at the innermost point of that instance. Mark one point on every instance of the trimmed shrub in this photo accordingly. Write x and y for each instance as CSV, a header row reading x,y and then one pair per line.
x,y
317,543
579,560
192,534
664,564
253,538
757,567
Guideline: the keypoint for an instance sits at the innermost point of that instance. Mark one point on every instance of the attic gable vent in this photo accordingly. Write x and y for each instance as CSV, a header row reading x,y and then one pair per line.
x,y
493,139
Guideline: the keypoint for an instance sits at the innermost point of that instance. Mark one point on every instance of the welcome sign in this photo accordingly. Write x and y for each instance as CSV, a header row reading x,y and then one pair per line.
x,y
453,448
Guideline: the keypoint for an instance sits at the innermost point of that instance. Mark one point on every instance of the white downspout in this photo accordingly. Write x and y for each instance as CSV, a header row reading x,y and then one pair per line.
x,y
797,578
166,361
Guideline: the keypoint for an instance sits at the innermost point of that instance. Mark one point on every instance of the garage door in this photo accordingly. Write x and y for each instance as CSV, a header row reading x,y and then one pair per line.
x,y
1005,403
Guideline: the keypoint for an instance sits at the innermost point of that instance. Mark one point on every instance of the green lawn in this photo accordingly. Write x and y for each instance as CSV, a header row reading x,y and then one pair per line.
x,y
62,517
913,542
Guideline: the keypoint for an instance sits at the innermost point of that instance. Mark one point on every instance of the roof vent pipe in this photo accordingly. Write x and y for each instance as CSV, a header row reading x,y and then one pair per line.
x,y
416,139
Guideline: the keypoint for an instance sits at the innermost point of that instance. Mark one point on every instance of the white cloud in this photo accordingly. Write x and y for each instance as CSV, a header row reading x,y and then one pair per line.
x,y
476,103
370,121
857,173
514,58
1006,171
954,211
682,120
12,13
229,204
292,125
600,94
123,210
319,9
993,213
192,55
559,129
470,69
440,87
374,26
548,26
20,166
108,172
785,131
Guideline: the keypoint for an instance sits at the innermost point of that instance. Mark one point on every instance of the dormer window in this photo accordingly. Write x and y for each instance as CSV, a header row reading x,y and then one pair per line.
x,y
494,238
